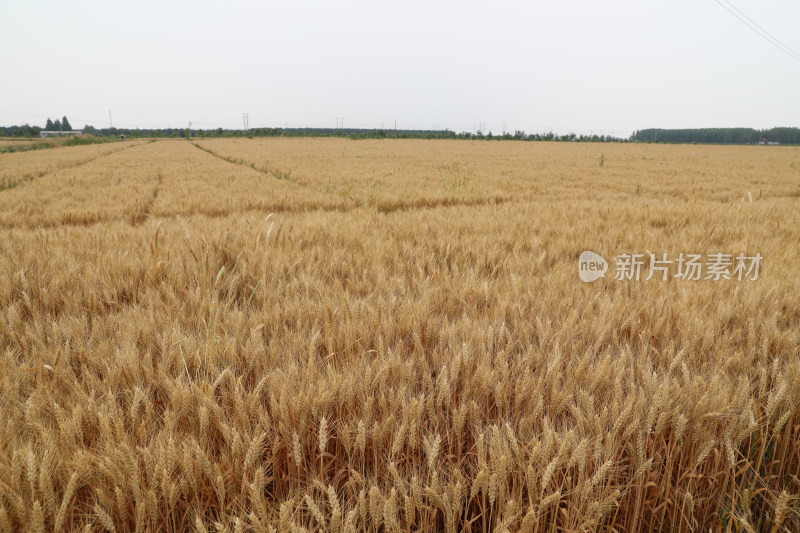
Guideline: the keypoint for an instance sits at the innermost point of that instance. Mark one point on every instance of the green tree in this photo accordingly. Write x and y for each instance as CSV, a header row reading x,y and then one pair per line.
x,y
65,124
57,125
49,126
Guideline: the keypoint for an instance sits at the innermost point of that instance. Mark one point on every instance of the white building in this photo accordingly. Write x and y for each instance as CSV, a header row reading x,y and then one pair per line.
x,y
51,133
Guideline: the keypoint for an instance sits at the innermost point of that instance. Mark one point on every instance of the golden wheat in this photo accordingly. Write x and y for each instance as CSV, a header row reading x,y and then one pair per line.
x,y
309,334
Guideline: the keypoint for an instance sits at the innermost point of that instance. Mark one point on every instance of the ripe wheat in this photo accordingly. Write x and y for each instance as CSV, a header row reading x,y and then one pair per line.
x,y
395,338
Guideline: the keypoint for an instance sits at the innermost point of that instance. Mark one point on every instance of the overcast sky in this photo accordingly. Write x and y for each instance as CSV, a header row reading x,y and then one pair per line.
x,y
581,66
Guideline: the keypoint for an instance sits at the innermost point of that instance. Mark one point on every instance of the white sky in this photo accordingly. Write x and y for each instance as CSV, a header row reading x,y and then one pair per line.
x,y
581,66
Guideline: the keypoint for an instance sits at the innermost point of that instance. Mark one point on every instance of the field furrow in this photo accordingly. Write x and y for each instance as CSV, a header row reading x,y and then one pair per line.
x,y
19,168
110,185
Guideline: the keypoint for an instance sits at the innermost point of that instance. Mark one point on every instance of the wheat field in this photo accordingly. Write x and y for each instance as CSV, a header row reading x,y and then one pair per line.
x,y
391,335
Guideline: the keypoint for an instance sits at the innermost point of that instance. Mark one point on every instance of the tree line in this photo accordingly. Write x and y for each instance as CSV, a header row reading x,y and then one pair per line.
x,y
58,125
658,135
718,135
26,130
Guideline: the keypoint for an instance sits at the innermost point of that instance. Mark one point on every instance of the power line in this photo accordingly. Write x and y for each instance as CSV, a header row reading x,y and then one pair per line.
x,y
777,41
753,25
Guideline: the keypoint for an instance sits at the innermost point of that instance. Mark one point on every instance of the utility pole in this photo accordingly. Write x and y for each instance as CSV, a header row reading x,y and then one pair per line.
x,y
110,122
190,129
245,120
395,128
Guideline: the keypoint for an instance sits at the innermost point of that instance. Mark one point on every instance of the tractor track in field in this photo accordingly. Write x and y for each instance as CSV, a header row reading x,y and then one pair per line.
x,y
271,172
383,207
142,211
145,212
24,180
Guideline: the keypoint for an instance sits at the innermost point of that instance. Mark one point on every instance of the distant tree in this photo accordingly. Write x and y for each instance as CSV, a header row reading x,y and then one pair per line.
x,y
783,135
699,135
65,124
49,126
57,125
